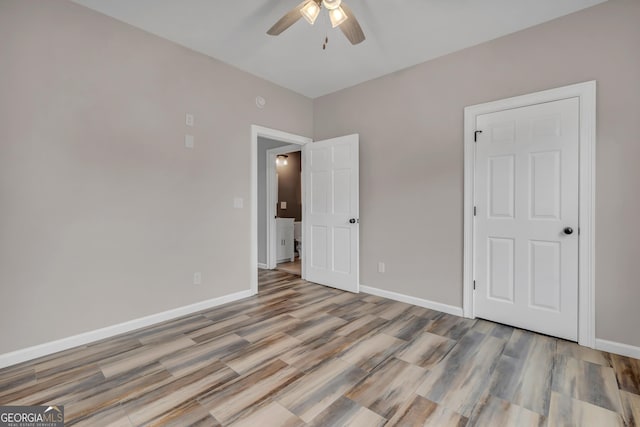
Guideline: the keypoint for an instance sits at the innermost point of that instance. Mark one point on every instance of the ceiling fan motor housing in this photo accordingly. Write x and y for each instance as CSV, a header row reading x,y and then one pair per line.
x,y
331,4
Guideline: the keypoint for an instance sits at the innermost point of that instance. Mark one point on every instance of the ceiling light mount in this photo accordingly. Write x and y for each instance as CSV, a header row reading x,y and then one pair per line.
x,y
331,4
339,13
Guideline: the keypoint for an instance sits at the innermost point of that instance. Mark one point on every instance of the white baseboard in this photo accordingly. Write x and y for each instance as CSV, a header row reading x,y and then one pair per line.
x,y
445,308
263,266
45,349
618,348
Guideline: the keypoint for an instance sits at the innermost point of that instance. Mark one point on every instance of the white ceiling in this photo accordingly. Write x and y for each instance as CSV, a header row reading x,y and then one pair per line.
x,y
400,33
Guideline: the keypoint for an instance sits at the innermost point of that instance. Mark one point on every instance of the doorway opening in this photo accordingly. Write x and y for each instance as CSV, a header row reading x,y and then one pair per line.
x,y
263,184
283,204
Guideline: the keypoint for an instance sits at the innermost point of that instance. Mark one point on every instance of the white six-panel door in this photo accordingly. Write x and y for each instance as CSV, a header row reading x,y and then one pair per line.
x,y
526,197
330,238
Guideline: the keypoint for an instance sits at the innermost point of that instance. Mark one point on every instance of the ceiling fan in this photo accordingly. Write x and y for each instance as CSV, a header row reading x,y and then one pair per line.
x,y
339,13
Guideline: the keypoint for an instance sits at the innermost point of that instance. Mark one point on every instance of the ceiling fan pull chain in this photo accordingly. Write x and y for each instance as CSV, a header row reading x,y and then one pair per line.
x,y
326,41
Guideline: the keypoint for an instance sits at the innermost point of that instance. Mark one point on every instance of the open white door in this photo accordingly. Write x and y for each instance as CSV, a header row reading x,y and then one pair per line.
x,y
331,230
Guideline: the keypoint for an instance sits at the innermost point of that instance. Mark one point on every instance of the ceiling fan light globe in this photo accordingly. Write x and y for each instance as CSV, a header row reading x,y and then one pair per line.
x,y
337,16
331,4
310,11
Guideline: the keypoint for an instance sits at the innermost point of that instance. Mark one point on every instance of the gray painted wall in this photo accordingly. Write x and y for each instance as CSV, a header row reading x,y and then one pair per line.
x,y
105,216
411,153
264,144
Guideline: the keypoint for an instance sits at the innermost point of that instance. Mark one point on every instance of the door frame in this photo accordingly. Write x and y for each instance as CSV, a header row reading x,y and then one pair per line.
x,y
586,93
271,201
278,135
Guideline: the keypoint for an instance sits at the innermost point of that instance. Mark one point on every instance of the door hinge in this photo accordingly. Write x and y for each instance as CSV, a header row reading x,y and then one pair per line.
x,y
474,285
475,135
474,211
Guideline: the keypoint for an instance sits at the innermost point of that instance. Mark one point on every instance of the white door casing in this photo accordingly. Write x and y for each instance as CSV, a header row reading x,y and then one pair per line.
x,y
331,229
278,135
584,95
526,195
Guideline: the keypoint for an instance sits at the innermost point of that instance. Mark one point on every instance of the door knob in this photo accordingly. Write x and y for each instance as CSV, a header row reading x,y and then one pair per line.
x,y
568,230
352,221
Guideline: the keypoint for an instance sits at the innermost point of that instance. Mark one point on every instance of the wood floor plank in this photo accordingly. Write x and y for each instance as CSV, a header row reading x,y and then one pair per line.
x,y
526,381
259,330
260,353
406,327
315,327
312,394
172,329
195,357
309,356
579,352
492,411
566,411
631,404
627,373
346,412
221,328
272,414
148,354
494,329
426,350
587,381
388,388
114,417
450,326
54,389
113,392
421,412
163,401
364,324
392,309
460,379
188,413
369,353
249,392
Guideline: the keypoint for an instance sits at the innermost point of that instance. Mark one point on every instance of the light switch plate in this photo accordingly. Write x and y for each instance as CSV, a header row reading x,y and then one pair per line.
x,y
189,141
238,202
283,205
189,119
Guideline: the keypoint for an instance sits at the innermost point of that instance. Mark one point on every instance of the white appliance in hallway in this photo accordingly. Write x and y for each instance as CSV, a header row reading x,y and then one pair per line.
x,y
526,223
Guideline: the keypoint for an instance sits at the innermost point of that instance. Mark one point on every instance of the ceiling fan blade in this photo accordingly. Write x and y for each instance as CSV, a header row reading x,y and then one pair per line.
x,y
351,28
287,20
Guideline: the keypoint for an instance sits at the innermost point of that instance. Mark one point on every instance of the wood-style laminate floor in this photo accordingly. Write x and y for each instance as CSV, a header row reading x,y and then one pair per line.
x,y
294,267
301,354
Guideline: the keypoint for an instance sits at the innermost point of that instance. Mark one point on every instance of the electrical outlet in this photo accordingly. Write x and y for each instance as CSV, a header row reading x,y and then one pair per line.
x,y
381,267
189,141
189,120
197,278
